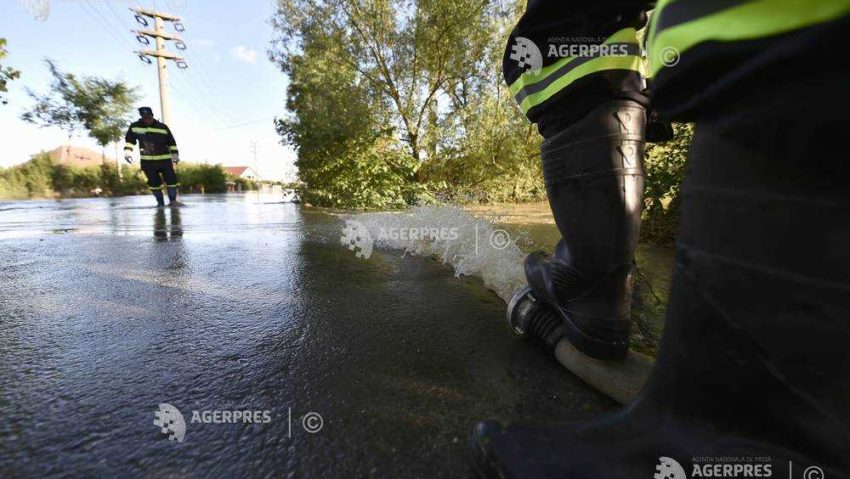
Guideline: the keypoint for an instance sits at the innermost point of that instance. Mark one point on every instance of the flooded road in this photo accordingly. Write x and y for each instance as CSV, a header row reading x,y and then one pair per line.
x,y
109,307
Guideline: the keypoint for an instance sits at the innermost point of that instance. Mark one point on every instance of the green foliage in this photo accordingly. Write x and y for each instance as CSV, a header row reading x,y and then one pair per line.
x,y
197,178
346,156
392,102
665,171
6,73
395,102
41,177
98,105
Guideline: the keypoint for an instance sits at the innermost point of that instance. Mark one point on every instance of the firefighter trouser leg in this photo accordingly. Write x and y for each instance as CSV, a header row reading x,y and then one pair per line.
x,y
155,171
591,110
754,361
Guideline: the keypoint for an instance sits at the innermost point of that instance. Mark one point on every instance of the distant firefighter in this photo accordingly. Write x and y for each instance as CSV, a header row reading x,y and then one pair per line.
x,y
158,154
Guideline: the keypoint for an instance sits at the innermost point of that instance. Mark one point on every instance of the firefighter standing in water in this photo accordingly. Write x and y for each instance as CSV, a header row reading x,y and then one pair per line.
x,y
157,152
754,362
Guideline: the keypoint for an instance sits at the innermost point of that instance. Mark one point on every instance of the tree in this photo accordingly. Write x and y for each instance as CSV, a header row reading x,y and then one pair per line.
x,y
408,51
6,73
100,106
346,154
407,95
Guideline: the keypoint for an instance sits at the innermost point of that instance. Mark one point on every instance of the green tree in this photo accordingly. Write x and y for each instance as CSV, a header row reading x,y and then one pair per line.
x,y
346,153
6,73
388,99
408,51
98,105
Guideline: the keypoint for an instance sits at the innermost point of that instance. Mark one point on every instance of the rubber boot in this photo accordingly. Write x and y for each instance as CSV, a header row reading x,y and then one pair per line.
x,y
172,196
594,177
754,361
160,201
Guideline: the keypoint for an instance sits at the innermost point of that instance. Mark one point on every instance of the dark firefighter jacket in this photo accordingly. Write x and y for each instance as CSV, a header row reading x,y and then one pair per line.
x,y
155,140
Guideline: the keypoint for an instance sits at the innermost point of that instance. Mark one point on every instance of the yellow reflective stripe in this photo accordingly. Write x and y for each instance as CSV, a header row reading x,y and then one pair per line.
x,y
173,147
156,157
628,62
128,147
174,185
149,130
626,35
751,20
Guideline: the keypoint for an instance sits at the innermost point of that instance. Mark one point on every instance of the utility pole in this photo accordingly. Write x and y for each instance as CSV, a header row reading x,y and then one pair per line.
x,y
162,56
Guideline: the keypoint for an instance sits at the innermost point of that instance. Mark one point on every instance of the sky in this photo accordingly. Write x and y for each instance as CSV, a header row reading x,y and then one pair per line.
x,y
224,101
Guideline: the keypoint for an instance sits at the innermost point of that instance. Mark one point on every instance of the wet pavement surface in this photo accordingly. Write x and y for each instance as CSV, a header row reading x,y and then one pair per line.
x,y
109,307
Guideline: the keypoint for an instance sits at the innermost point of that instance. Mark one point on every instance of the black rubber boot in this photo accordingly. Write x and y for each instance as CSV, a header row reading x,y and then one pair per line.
x,y
172,196
160,201
755,361
594,177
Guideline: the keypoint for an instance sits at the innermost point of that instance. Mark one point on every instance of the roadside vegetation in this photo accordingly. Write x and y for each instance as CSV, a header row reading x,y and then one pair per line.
x,y
397,103
389,104
42,177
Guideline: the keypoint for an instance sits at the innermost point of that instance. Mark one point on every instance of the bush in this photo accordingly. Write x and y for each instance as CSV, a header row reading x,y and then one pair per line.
x,y
665,171
42,178
198,178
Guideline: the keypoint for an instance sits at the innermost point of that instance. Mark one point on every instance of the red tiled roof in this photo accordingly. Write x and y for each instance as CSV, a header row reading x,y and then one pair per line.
x,y
235,170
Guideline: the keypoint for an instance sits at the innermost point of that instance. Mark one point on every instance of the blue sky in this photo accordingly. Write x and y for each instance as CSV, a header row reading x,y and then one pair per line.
x,y
225,100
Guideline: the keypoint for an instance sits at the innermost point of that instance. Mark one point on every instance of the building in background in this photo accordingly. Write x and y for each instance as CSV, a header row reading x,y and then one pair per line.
x,y
79,157
243,172
241,178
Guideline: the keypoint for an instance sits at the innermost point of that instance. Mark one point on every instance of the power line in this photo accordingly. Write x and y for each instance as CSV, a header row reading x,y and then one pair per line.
x,y
130,27
103,23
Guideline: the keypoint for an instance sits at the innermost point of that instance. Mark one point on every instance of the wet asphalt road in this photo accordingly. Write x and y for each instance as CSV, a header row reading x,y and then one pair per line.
x,y
245,302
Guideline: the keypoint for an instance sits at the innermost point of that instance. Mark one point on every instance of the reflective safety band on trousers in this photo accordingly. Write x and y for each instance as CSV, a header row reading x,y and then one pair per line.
x,y
678,25
534,88
156,157
149,130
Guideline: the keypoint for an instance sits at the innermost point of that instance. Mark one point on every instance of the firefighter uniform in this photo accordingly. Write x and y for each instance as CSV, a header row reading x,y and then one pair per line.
x,y
555,89
156,148
754,367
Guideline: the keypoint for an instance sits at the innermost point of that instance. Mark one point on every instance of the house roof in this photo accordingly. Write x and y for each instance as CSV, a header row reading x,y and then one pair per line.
x,y
77,156
235,170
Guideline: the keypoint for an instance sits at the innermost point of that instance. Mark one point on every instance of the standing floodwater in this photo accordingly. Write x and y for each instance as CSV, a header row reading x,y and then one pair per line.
x,y
109,308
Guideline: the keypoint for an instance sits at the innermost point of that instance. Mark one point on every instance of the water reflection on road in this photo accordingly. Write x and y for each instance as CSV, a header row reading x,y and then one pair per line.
x,y
110,307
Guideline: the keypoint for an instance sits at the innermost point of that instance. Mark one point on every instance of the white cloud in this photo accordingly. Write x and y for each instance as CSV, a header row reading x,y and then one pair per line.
x,y
244,54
